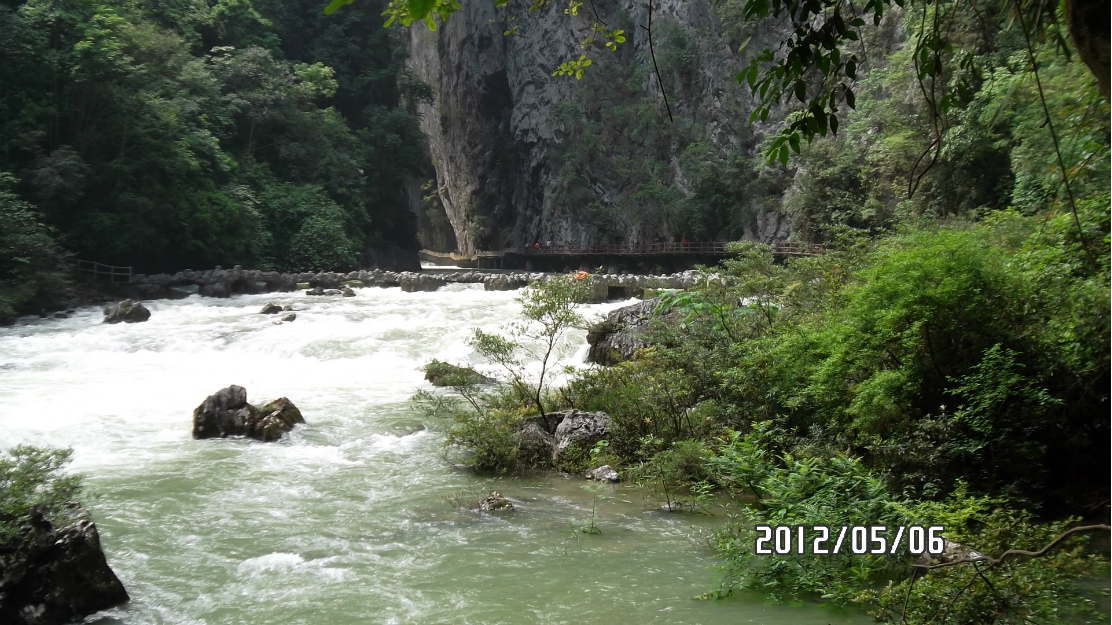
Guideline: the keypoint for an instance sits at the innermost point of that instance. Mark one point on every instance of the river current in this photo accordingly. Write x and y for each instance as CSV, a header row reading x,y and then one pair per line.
x,y
350,519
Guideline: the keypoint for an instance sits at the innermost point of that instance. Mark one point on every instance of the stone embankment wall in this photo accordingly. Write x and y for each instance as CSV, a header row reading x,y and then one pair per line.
x,y
227,282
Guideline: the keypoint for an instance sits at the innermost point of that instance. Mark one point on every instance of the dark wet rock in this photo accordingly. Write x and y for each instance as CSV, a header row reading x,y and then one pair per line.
x,y
274,419
288,307
621,334
535,446
270,309
494,502
61,315
315,291
289,316
605,473
227,413
580,429
347,292
215,289
53,576
126,311
549,422
446,374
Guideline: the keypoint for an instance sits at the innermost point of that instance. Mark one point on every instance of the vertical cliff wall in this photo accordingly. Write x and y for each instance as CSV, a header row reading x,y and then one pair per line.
x,y
523,156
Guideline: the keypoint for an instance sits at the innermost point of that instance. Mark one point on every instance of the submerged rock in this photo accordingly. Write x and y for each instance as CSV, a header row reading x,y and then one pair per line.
x,y
494,502
289,316
270,309
126,311
347,292
54,576
227,413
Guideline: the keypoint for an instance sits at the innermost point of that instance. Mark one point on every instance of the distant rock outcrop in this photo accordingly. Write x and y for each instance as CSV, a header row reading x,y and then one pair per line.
x,y
227,413
126,311
54,576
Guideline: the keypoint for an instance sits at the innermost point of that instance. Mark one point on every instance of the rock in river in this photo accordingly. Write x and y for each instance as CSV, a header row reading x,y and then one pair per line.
x,y
270,308
56,575
605,473
227,413
580,429
494,502
126,311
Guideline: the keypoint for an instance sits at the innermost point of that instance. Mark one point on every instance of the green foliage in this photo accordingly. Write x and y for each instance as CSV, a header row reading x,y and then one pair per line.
x,y
162,136
549,309
1018,590
32,268
827,489
486,422
32,478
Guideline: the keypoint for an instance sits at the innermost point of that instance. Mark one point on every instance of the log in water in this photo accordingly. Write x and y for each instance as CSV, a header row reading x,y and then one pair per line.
x,y
347,520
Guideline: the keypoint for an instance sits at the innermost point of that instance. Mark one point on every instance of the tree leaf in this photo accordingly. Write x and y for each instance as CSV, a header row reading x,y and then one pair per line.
x,y
420,9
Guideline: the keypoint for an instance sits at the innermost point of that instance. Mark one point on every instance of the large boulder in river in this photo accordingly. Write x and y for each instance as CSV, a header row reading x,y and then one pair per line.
x,y
579,430
126,311
227,413
52,576
621,334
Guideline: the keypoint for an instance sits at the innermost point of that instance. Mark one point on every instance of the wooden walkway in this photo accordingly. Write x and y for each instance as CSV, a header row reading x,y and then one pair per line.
x,y
99,271
787,248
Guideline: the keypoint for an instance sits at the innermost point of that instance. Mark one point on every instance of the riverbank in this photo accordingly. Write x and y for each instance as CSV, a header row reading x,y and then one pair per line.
x,y
223,283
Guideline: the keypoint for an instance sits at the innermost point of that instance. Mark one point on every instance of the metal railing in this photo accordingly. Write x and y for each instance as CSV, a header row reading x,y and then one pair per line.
x,y
791,248
98,271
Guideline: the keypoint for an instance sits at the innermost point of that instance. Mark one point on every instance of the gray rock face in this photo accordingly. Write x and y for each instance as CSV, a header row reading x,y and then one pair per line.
x,y
602,474
270,309
497,120
621,334
289,316
227,413
215,289
580,429
55,576
126,311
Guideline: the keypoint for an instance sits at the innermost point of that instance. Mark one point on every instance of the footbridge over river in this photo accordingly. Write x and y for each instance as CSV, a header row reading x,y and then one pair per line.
x,y
614,258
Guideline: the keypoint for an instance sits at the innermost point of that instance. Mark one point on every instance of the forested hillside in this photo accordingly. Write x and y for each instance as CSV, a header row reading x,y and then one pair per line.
x,y
168,135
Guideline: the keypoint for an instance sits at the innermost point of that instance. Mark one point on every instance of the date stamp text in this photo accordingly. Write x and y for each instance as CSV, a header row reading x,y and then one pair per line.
x,y
848,539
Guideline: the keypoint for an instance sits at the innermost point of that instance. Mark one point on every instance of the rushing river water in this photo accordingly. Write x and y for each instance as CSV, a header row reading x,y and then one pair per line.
x,y
346,520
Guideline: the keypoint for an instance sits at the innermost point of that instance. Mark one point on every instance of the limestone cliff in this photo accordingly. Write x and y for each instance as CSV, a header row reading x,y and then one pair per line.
x,y
523,156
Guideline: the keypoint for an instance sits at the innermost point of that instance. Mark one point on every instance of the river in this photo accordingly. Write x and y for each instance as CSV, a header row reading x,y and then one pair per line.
x,y
349,519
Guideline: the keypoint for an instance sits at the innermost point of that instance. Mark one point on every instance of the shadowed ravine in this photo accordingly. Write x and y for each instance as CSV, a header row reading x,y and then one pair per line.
x,y
346,520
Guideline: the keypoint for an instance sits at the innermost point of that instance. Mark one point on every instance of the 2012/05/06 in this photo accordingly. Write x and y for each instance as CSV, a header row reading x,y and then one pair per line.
x,y
862,539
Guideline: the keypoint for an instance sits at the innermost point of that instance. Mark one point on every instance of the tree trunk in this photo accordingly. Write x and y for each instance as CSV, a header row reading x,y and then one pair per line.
x,y
1088,23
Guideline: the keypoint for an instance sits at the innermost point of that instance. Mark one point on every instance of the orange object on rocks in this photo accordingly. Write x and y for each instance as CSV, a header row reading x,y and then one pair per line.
x,y
580,275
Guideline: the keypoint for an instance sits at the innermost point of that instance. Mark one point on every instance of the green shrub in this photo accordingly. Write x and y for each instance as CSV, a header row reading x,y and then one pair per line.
x,y
32,478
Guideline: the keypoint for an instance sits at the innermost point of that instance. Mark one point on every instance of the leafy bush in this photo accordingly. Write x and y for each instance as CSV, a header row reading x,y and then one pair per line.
x,y
32,266
31,478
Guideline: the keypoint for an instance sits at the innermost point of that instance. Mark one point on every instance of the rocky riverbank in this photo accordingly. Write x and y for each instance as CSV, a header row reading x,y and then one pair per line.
x,y
221,282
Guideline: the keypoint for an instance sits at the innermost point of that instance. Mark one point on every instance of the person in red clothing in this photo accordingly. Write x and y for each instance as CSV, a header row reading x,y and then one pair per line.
x,y
684,241
537,246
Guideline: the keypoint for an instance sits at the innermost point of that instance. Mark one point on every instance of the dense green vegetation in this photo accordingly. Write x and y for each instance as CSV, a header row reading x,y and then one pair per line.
x,y
946,362
190,134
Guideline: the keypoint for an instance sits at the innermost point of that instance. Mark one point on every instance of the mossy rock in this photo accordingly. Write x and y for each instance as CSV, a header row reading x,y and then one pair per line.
x,y
446,374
